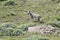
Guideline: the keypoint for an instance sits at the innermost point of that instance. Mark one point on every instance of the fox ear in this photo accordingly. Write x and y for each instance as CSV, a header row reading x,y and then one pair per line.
x,y
28,12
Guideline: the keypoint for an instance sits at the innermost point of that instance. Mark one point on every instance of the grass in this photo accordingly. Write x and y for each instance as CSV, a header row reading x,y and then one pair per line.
x,y
49,10
31,37
22,16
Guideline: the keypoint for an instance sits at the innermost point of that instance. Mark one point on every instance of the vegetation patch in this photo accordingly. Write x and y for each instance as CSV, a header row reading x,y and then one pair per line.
x,y
9,29
55,23
24,27
3,0
12,3
12,14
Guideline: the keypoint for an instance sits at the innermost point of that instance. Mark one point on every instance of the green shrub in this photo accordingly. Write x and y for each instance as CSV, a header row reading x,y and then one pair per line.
x,y
57,17
11,14
8,24
9,29
37,37
24,27
57,1
2,0
43,39
12,3
55,23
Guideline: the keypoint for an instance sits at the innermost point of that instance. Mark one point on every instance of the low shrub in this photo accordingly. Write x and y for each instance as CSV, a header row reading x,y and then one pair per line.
x,y
12,14
57,17
2,0
24,27
57,1
43,39
55,24
37,37
9,29
12,3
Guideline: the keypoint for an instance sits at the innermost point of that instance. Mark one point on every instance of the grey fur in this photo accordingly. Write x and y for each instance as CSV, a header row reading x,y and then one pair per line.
x,y
33,16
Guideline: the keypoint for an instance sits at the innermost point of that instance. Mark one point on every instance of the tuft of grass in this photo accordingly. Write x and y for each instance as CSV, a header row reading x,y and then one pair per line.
x,y
3,0
55,24
26,25
9,29
12,3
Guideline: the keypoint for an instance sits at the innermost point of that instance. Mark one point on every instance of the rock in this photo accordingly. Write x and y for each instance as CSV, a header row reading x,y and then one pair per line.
x,y
43,29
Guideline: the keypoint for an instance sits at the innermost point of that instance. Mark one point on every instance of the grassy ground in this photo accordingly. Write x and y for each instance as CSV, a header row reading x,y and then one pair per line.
x,y
32,37
49,10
